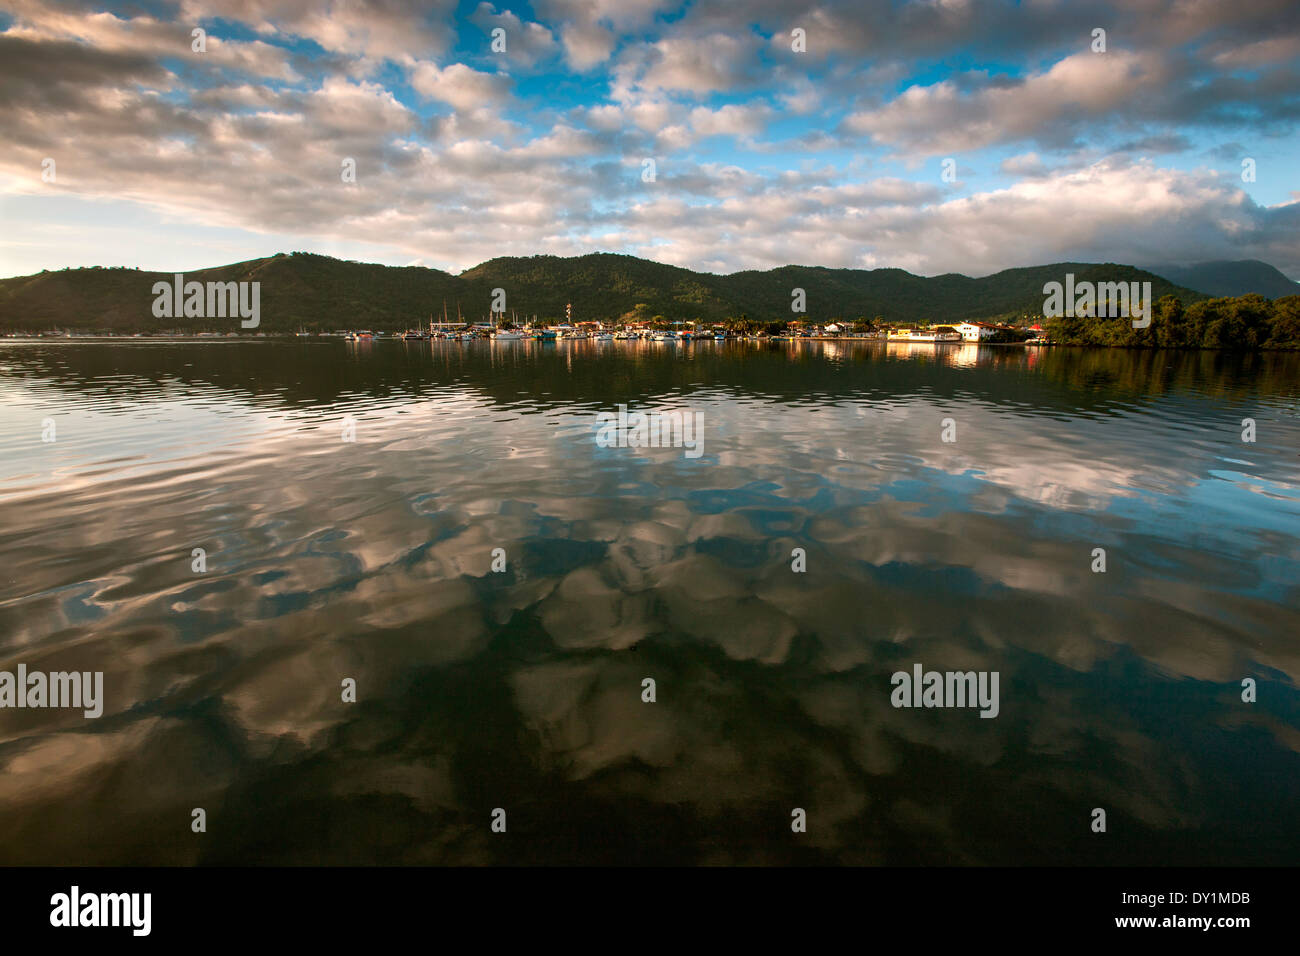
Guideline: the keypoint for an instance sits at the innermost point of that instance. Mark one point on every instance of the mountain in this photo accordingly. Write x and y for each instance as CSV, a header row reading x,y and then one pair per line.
x,y
321,293
1224,278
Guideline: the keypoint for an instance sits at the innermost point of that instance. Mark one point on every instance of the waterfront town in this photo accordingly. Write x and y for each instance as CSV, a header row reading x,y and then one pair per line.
x,y
1030,332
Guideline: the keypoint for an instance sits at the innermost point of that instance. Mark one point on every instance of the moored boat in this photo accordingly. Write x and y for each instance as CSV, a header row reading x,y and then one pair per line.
x,y
940,333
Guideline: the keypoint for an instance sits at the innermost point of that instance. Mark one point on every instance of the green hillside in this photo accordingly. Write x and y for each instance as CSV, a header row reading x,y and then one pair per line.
x,y
1224,278
321,293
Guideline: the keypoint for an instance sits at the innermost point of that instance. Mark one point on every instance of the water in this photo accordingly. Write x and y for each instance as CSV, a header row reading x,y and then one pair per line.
x,y
522,690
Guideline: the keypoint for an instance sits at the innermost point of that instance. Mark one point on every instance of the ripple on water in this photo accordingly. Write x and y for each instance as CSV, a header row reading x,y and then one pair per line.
x,y
374,559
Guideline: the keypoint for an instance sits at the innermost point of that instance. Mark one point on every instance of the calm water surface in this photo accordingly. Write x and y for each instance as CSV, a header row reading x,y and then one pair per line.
x,y
371,560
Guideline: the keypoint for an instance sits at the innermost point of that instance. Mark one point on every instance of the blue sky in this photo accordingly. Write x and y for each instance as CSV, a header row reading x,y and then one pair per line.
x,y
165,157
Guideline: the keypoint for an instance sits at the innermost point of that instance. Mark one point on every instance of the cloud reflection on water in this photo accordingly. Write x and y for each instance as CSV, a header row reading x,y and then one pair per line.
x,y
371,561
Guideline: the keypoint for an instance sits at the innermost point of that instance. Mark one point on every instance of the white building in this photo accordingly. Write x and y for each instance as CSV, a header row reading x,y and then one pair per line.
x,y
833,329
976,331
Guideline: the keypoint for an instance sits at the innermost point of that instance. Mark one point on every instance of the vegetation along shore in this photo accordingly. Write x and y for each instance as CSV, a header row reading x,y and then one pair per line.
x,y
303,292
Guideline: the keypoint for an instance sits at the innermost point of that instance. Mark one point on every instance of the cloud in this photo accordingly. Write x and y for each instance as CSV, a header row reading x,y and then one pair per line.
x,y
764,156
463,87
941,118
589,28
527,43
148,37
1086,94
376,28
1278,49
713,63
731,120
586,45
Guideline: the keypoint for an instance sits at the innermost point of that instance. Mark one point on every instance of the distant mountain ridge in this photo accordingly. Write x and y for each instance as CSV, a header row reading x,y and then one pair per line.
x,y
1230,278
321,293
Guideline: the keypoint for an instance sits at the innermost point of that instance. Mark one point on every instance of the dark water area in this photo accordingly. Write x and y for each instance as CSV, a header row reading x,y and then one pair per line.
x,y
348,500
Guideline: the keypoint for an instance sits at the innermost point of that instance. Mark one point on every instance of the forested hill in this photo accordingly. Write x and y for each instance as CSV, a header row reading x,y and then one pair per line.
x,y
320,293
1223,278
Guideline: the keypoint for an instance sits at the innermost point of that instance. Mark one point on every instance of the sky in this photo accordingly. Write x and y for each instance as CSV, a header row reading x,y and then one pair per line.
x,y
930,135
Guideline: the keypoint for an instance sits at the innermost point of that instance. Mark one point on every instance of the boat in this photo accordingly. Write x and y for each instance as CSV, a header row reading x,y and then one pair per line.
x,y
363,336
940,333
604,336
506,335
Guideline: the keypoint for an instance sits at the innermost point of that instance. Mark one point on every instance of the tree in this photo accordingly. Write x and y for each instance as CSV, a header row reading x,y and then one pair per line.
x,y
1284,330
1167,323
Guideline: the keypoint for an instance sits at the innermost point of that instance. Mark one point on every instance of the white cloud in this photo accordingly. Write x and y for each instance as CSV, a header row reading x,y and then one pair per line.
x,y
250,136
586,45
376,28
463,87
527,43
941,118
700,64
730,120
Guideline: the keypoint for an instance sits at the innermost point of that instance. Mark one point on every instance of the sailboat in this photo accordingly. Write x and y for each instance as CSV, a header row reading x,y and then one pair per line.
x,y
414,335
506,335
464,336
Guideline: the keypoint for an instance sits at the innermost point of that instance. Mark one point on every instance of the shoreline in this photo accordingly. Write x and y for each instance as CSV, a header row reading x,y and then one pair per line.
x,y
838,340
